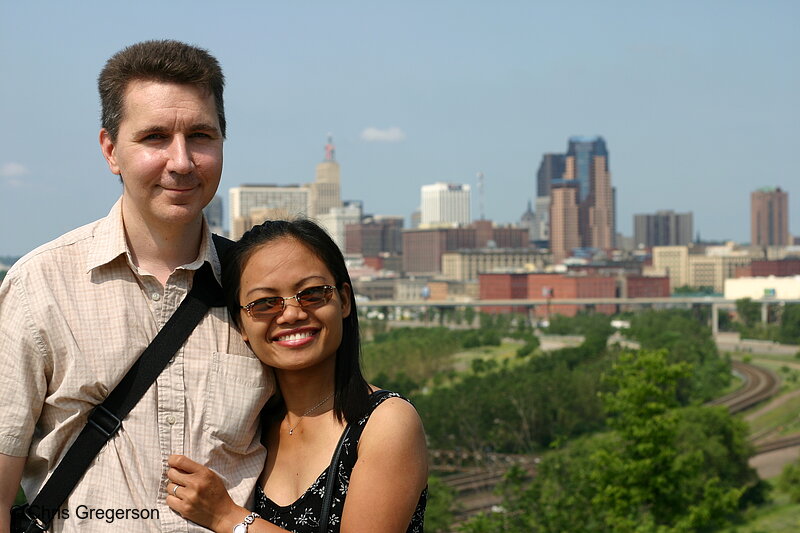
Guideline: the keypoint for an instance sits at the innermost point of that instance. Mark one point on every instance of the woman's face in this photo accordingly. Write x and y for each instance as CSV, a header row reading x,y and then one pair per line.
x,y
297,337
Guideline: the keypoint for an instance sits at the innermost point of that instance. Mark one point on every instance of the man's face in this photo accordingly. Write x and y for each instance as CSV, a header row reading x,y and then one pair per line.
x,y
168,152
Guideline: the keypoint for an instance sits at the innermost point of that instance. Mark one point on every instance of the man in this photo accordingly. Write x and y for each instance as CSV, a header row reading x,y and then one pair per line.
x,y
77,312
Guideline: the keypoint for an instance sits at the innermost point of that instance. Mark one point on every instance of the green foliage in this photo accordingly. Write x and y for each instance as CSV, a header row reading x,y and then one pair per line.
x,y
400,382
749,311
660,469
685,340
516,410
528,348
789,331
469,315
419,353
440,507
687,290
789,481
581,324
20,499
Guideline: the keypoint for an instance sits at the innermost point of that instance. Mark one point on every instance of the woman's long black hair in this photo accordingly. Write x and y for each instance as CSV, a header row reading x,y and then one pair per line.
x,y
351,390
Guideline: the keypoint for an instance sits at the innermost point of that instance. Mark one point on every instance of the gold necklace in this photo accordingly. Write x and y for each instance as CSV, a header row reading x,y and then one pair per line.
x,y
307,412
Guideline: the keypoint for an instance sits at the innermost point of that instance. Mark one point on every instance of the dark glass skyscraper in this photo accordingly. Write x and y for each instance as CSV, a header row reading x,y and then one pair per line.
x,y
585,170
550,169
584,151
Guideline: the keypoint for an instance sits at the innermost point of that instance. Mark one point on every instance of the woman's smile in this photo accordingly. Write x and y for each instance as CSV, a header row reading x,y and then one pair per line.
x,y
296,337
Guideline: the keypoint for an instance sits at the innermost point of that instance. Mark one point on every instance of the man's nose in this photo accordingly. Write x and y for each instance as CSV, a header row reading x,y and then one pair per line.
x,y
180,158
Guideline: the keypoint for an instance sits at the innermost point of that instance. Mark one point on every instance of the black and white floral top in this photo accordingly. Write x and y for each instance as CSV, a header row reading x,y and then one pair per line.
x,y
303,515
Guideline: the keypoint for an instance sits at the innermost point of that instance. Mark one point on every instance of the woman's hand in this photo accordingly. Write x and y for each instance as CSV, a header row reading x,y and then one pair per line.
x,y
198,494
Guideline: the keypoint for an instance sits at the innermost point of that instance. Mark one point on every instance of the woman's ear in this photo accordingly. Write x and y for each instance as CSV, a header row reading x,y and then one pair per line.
x,y
346,295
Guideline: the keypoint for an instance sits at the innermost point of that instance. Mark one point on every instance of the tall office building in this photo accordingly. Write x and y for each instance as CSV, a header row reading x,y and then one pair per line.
x,y
769,217
445,205
589,194
541,221
213,213
252,204
564,221
336,220
326,189
664,228
550,169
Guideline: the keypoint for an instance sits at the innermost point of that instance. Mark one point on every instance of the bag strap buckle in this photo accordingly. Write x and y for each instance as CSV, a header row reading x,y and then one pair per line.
x,y
36,525
104,421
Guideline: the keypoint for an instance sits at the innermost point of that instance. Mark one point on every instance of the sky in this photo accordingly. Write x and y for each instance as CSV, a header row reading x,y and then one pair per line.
x,y
697,101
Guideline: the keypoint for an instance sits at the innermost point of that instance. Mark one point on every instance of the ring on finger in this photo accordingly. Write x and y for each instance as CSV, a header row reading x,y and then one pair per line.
x,y
175,490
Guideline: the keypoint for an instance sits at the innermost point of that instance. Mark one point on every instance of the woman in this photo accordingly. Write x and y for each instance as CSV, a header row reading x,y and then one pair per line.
x,y
291,297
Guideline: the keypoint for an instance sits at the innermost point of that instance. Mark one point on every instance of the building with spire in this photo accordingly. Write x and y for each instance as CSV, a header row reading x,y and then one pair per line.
x,y
326,188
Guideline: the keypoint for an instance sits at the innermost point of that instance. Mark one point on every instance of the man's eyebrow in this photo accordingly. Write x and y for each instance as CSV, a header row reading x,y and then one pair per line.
x,y
147,131
201,126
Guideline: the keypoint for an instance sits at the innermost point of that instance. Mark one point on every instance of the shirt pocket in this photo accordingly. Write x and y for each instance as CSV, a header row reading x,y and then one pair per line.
x,y
238,387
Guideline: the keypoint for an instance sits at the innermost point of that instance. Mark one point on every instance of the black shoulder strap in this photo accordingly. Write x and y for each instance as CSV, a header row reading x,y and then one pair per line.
x,y
330,482
375,399
222,244
106,419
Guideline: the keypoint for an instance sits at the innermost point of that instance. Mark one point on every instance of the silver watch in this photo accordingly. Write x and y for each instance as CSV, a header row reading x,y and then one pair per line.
x,y
249,519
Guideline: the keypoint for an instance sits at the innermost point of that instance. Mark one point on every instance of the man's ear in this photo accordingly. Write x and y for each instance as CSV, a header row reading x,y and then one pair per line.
x,y
107,146
346,294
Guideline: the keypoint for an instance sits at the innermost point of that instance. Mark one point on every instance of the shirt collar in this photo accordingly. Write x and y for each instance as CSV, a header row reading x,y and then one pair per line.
x,y
109,243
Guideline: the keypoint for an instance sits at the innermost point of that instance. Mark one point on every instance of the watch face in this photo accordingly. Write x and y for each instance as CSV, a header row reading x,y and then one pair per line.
x,y
240,528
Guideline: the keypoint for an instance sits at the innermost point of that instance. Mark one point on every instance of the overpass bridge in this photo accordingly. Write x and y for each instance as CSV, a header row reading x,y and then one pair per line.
x,y
529,305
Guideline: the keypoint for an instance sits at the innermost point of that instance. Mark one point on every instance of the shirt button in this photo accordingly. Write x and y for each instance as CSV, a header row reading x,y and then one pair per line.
x,y
170,419
155,296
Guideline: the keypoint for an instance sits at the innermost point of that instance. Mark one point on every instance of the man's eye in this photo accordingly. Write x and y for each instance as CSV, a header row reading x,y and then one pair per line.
x,y
200,135
153,137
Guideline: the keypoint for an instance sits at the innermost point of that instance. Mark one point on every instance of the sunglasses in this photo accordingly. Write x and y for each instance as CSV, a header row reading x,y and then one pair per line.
x,y
309,298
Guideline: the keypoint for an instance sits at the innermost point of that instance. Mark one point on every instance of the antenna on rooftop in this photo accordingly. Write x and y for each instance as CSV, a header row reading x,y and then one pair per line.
x,y
480,193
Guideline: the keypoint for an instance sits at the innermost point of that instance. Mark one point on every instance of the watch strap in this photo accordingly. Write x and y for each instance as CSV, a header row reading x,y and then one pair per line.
x,y
244,524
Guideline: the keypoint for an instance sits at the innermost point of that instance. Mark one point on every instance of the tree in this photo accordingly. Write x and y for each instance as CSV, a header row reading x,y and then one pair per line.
x,y
685,340
749,311
789,481
469,315
661,468
439,510
664,470
789,331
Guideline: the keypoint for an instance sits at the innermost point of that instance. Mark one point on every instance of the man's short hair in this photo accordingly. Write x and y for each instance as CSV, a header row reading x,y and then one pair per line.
x,y
165,61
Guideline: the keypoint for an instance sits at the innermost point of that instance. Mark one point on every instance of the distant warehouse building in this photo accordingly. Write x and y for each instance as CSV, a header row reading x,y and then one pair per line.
x,y
556,287
784,288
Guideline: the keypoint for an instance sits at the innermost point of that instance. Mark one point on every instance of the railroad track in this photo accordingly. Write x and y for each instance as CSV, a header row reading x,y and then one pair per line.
x,y
759,385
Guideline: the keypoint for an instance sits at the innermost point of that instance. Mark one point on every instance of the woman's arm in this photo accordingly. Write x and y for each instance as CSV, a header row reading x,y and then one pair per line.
x,y
391,471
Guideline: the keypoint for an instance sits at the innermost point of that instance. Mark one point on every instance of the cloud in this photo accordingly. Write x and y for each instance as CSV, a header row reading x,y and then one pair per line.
x,y
389,135
11,170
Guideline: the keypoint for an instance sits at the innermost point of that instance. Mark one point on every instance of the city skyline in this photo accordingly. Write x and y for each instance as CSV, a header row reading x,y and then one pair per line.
x,y
695,99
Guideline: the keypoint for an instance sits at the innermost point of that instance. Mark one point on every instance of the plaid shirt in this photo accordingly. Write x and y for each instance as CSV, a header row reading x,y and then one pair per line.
x,y
74,316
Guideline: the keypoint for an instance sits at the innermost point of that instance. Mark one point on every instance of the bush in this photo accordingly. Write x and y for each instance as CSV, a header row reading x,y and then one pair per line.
x,y
789,481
